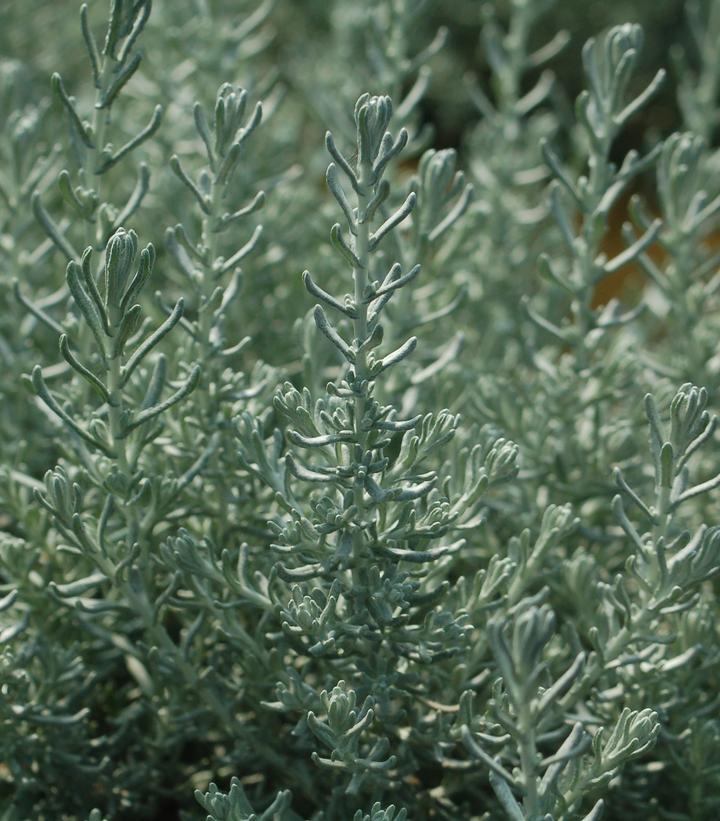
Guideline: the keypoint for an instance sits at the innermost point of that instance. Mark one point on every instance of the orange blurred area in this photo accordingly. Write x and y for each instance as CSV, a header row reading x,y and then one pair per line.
x,y
630,276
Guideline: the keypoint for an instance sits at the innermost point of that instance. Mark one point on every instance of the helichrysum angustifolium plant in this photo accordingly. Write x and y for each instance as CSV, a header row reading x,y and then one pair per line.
x,y
370,476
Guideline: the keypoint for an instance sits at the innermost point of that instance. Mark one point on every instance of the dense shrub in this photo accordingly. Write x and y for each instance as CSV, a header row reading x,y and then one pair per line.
x,y
367,473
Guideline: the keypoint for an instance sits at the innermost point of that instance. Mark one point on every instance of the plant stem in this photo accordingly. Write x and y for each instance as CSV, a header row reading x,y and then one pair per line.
x,y
360,279
528,762
100,119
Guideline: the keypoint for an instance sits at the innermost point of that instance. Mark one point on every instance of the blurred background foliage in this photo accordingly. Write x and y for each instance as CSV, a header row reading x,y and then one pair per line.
x,y
284,51
37,33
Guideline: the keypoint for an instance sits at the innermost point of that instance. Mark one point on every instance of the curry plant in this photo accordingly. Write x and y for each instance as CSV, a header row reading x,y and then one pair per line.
x,y
112,65
417,522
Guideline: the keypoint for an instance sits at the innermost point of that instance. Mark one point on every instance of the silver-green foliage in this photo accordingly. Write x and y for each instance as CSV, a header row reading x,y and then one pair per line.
x,y
453,553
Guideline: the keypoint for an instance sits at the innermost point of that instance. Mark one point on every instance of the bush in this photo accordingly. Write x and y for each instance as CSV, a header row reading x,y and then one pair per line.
x,y
389,497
